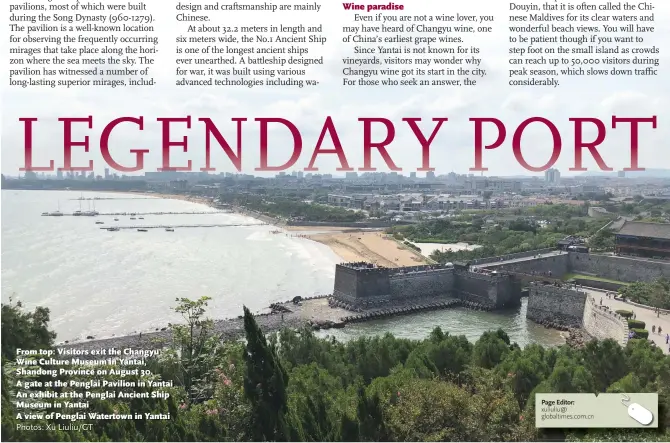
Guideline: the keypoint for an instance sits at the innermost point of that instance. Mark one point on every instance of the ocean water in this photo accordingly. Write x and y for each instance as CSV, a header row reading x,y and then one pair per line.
x,y
104,283
101,283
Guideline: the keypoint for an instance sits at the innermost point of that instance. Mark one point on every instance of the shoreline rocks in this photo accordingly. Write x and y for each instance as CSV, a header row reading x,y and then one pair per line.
x,y
577,338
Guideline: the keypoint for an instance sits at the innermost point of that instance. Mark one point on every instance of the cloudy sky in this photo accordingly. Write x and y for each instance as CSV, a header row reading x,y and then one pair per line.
x,y
307,107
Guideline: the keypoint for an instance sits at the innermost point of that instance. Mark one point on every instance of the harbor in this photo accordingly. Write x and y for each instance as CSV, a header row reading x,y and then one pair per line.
x,y
112,198
143,228
132,214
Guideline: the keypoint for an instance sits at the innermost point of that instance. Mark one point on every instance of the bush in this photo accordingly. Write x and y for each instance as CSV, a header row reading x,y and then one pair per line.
x,y
636,324
413,246
641,333
398,236
624,313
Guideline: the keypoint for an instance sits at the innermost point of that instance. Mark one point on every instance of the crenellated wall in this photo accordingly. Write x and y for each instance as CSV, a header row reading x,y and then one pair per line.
x,y
483,261
602,323
624,269
415,284
556,304
365,286
558,265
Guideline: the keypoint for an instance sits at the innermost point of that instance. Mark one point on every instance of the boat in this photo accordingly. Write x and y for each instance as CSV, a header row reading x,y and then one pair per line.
x,y
45,214
142,230
132,218
56,213
77,213
141,218
99,223
169,229
116,219
114,229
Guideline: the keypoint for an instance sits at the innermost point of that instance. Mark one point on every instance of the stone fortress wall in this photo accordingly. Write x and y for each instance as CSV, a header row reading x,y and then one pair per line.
x,y
626,269
562,305
366,286
552,304
602,323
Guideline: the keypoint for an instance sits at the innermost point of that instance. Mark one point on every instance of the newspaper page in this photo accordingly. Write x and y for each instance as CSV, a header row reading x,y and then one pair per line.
x,y
295,220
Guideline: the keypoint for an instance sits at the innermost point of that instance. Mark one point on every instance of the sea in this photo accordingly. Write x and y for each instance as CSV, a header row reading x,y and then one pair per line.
x,y
109,283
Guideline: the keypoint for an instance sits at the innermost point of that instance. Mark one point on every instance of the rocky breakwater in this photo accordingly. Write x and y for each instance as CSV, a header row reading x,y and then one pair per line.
x,y
407,307
294,314
556,305
577,338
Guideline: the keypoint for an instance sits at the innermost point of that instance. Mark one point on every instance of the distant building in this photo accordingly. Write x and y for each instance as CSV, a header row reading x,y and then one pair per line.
x,y
598,212
430,175
651,240
552,176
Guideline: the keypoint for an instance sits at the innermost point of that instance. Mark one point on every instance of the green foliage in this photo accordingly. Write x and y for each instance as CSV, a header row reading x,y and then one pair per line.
x,y
602,240
413,246
507,236
24,330
636,324
278,206
264,384
625,313
640,333
656,294
295,386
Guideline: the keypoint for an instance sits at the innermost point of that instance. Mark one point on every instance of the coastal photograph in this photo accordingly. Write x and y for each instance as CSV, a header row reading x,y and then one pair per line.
x,y
293,309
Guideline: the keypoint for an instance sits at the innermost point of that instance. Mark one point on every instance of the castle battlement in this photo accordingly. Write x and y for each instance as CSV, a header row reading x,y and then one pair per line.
x,y
363,284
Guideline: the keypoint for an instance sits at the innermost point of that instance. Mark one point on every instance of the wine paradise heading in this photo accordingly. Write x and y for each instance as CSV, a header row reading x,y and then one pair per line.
x,y
214,138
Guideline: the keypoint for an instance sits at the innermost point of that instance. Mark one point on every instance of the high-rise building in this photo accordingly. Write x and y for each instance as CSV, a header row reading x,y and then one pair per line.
x,y
552,176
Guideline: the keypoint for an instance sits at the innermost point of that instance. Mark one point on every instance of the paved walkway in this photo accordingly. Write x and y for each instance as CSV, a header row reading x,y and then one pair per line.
x,y
520,259
646,315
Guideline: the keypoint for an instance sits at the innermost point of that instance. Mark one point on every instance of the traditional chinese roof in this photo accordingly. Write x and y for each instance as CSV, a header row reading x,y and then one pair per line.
x,y
649,230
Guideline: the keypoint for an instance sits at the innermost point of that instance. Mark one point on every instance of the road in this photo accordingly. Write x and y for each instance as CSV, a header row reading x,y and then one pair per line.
x,y
520,259
646,315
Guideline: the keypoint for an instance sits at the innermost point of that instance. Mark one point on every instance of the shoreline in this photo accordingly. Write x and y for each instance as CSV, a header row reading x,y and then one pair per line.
x,y
350,244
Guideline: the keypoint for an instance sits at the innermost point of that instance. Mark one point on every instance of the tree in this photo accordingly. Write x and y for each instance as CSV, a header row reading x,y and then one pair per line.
x,y
264,384
24,330
195,349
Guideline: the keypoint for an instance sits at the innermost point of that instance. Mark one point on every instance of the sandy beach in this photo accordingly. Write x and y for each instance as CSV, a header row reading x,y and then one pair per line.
x,y
374,247
349,244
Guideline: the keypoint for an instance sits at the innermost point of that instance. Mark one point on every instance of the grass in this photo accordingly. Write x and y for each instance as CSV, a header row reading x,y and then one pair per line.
x,y
594,278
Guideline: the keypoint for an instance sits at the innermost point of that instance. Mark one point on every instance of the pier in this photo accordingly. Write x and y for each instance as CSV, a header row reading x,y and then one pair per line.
x,y
115,198
215,225
132,214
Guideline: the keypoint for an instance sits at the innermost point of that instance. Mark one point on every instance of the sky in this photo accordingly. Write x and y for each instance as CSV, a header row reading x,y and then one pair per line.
x,y
452,149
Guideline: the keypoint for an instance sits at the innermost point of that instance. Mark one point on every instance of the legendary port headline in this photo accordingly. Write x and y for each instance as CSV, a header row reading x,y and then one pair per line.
x,y
213,136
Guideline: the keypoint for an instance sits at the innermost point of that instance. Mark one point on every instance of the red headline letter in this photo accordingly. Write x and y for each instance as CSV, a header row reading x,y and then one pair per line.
x,y
329,127
634,133
167,143
479,143
425,144
28,147
516,144
297,144
211,129
68,144
580,143
104,145
368,144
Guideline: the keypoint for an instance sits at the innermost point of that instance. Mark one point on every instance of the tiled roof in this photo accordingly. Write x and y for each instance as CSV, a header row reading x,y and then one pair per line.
x,y
650,230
